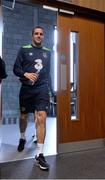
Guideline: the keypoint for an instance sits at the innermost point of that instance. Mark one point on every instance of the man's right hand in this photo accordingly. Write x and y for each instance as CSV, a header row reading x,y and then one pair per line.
x,y
31,76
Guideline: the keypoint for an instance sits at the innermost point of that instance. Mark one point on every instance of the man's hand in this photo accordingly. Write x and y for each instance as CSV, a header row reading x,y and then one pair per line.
x,y
31,76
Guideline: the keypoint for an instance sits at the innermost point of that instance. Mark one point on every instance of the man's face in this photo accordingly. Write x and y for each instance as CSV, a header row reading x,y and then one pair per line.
x,y
38,36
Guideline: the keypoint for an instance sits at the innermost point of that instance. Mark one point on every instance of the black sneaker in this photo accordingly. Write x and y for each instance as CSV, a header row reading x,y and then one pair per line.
x,y
21,145
41,162
34,139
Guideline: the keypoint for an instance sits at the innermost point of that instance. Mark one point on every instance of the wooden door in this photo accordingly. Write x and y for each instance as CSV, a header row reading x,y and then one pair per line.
x,y
90,121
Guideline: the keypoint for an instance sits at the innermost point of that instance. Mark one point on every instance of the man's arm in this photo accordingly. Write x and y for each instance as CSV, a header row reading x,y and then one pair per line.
x,y
17,68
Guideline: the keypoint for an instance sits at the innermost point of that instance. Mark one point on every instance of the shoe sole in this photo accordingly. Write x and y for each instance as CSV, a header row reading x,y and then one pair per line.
x,y
35,142
41,167
20,150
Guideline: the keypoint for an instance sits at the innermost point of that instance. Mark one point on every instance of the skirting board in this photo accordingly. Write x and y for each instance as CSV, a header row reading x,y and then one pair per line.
x,y
81,145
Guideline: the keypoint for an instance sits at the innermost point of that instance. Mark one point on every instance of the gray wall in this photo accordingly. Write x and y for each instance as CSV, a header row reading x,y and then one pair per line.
x,y
18,24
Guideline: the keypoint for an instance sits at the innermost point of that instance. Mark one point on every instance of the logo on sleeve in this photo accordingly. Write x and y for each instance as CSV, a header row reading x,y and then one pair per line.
x,y
30,54
45,55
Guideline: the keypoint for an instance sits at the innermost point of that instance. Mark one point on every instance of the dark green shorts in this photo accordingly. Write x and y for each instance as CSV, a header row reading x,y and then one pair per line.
x,y
32,98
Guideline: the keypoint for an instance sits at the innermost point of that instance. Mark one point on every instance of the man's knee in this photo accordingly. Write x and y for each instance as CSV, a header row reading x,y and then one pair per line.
x,y
23,117
41,116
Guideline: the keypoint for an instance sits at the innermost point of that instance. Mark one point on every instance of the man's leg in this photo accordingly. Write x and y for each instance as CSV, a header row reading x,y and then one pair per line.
x,y
22,126
41,104
41,132
34,135
41,126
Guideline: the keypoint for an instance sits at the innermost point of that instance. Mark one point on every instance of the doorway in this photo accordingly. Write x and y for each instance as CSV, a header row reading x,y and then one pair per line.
x,y
18,25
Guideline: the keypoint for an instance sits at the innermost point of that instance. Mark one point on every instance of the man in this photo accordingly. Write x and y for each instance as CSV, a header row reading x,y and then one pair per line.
x,y
3,73
32,66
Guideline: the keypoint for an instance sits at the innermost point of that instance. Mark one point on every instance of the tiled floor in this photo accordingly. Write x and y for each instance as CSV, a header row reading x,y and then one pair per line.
x,y
10,138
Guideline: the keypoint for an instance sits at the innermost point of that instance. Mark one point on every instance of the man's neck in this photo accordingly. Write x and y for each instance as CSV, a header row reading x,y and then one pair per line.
x,y
37,45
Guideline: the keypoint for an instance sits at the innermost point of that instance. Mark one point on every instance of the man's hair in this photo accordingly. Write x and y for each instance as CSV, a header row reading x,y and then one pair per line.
x,y
37,27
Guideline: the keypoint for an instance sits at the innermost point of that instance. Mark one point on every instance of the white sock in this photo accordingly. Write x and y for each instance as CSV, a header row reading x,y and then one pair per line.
x,y
22,136
39,149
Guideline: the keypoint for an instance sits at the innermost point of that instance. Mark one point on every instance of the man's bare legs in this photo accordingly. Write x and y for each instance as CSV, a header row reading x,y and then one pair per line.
x,y
23,123
34,135
40,118
41,133
22,126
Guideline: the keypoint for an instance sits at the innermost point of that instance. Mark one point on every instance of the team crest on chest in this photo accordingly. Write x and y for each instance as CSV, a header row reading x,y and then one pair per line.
x,y
38,64
45,55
